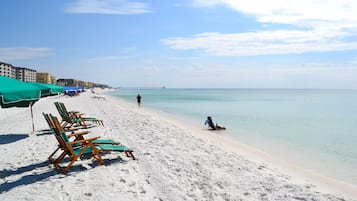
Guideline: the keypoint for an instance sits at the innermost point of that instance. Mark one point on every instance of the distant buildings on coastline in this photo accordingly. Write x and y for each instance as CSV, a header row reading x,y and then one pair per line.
x,y
20,73
30,75
79,83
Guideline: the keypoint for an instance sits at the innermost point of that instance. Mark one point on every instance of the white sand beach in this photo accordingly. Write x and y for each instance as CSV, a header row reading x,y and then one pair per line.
x,y
175,161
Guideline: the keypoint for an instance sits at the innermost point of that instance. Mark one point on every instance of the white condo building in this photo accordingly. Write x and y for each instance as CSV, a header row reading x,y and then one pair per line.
x,y
20,73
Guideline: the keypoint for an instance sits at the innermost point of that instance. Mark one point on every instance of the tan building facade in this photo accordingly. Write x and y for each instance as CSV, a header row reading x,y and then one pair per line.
x,y
45,78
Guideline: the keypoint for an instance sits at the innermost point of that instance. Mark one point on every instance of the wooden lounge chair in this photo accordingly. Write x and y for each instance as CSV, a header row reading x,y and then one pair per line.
x,y
77,146
69,122
75,152
103,145
79,115
76,116
77,135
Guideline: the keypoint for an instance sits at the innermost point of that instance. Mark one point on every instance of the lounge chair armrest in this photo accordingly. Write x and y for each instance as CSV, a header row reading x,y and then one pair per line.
x,y
76,113
73,129
84,141
78,133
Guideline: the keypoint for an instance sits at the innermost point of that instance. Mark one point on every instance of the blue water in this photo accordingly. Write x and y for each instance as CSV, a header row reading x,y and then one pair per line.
x,y
314,129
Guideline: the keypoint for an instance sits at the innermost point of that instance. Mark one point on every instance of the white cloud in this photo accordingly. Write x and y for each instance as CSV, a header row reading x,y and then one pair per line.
x,y
261,43
22,53
321,25
292,11
115,7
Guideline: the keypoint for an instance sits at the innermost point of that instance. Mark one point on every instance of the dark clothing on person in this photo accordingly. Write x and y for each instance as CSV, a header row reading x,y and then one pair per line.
x,y
211,124
138,98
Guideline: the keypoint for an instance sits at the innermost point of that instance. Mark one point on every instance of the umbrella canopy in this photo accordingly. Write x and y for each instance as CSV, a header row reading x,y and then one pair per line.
x,y
48,89
55,89
15,93
45,91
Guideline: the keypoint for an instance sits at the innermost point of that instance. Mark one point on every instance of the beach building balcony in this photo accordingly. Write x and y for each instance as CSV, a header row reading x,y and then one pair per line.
x,y
7,70
25,74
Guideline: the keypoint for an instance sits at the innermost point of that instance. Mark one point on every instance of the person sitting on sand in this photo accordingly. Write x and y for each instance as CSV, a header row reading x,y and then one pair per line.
x,y
212,125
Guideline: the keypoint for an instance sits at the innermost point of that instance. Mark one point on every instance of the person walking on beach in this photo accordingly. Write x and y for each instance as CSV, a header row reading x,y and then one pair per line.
x,y
138,99
212,125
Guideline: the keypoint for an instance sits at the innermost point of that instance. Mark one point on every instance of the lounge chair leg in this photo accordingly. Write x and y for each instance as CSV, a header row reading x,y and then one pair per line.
x,y
59,159
96,155
130,154
50,157
65,170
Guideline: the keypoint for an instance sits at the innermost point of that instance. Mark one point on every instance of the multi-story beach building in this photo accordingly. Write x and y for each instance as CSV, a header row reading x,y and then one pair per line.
x,y
7,70
25,74
79,83
68,82
20,73
89,84
101,85
45,78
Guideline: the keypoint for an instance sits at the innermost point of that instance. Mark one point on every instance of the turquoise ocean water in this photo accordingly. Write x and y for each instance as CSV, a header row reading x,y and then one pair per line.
x,y
314,129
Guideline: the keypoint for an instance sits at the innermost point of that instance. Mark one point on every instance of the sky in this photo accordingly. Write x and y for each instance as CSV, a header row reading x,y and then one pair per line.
x,y
185,43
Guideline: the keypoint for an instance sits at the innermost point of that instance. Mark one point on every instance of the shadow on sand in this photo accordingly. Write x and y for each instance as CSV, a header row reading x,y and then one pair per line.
x,y
44,132
27,179
10,138
6,173
32,177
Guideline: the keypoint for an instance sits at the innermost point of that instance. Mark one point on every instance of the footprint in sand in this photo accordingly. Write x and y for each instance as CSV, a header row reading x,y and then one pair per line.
x,y
132,184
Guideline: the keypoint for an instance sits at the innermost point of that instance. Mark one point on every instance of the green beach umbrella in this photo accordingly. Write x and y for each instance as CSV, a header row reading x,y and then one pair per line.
x,y
44,91
55,89
15,93
48,89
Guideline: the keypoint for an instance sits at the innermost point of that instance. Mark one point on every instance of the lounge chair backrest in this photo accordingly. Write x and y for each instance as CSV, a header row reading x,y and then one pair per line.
x,y
59,128
51,124
62,113
59,109
63,107
48,121
65,115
